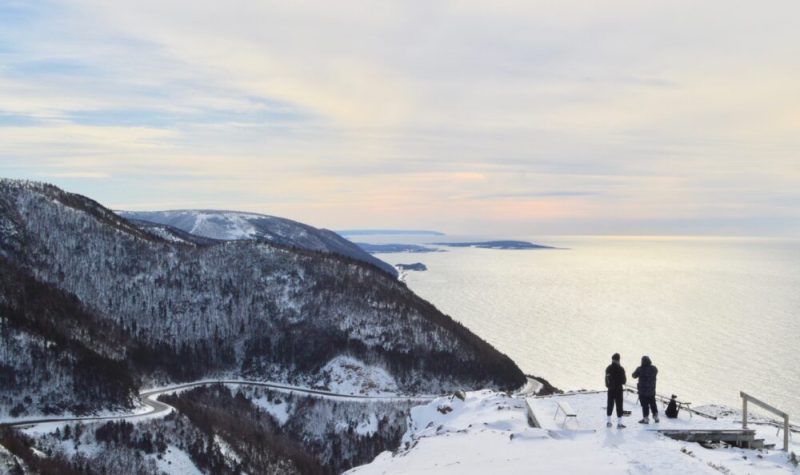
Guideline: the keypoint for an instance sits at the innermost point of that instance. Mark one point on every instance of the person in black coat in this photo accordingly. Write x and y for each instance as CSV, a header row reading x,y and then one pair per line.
x,y
647,373
615,380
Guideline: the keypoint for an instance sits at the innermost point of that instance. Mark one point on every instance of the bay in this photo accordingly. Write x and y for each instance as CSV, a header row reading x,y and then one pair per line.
x,y
716,315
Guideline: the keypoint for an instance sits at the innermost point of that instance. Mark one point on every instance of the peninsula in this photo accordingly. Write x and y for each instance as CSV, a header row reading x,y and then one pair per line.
x,y
495,245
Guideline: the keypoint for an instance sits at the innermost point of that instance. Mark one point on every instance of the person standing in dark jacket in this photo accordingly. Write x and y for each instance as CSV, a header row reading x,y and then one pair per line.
x,y
647,389
615,380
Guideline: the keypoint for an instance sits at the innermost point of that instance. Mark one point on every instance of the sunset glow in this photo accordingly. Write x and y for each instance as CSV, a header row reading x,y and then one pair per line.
x,y
622,117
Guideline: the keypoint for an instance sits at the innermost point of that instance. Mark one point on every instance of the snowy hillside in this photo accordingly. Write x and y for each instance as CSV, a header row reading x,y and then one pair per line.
x,y
171,310
233,226
489,433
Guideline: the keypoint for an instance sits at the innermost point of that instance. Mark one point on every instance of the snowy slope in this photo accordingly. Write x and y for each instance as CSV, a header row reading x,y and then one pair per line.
x,y
489,433
173,310
235,226
176,460
347,375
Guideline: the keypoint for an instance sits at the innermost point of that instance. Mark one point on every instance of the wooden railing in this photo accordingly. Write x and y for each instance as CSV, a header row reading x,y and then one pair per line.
x,y
682,405
746,397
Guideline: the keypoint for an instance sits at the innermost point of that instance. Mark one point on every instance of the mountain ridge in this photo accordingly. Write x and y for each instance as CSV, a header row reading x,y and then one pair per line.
x,y
229,225
255,309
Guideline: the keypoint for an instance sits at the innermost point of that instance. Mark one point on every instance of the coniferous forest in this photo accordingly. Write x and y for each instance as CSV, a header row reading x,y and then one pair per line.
x,y
94,307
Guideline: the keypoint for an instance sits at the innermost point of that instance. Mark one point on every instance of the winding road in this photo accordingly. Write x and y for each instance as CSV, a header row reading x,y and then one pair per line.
x,y
157,408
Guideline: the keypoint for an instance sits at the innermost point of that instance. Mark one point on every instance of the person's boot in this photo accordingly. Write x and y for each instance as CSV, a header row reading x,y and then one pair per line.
x,y
620,425
644,421
655,419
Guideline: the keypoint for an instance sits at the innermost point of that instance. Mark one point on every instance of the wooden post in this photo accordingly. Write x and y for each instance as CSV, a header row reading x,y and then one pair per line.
x,y
786,432
744,412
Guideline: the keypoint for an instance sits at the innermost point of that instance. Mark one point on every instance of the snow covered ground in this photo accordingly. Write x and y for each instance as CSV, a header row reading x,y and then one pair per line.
x,y
7,461
489,433
176,460
346,375
279,409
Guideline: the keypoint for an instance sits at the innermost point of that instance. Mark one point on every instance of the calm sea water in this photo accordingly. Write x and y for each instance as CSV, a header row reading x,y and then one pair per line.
x,y
717,316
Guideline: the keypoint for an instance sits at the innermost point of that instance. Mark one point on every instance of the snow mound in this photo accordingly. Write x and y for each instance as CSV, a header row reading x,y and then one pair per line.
x,y
368,426
277,408
481,410
176,460
347,375
163,233
488,432
8,462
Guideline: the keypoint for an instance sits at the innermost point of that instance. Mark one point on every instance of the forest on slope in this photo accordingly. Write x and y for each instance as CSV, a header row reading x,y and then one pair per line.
x,y
84,288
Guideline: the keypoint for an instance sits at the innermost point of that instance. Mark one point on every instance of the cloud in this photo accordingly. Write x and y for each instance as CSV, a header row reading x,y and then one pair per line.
x,y
87,175
543,194
358,113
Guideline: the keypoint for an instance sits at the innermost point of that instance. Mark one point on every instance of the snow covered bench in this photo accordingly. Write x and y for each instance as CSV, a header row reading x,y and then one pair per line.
x,y
531,415
568,411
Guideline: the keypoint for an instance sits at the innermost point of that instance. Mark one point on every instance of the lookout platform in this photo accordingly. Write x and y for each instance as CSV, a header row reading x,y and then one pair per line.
x,y
589,410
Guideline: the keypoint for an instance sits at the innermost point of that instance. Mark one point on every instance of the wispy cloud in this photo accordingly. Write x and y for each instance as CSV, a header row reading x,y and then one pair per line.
x,y
523,116
543,194
87,175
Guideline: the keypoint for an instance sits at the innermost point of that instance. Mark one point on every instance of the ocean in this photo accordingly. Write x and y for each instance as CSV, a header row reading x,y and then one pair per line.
x,y
716,315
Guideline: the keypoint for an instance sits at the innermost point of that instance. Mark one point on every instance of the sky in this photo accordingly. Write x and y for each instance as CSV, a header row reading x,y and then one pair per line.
x,y
513,118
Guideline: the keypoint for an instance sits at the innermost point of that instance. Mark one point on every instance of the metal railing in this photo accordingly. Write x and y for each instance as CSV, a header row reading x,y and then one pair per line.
x,y
746,397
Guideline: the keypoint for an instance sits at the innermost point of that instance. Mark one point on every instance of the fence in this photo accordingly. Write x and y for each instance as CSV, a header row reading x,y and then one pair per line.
x,y
746,397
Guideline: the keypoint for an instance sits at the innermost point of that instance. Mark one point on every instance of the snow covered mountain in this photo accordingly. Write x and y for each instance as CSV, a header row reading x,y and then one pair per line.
x,y
233,226
79,283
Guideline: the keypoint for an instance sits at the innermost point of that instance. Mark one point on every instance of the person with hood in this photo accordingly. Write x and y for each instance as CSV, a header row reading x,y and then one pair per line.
x,y
647,389
615,380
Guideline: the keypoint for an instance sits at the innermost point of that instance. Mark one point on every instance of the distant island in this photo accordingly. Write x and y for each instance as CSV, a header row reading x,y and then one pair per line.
x,y
417,266
378,248
388,232
495,245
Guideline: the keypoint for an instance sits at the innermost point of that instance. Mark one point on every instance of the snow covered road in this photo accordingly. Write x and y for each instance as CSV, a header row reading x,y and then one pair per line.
x,y
155,408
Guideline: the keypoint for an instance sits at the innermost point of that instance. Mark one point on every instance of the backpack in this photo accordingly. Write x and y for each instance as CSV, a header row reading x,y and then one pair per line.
x,y
672,409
